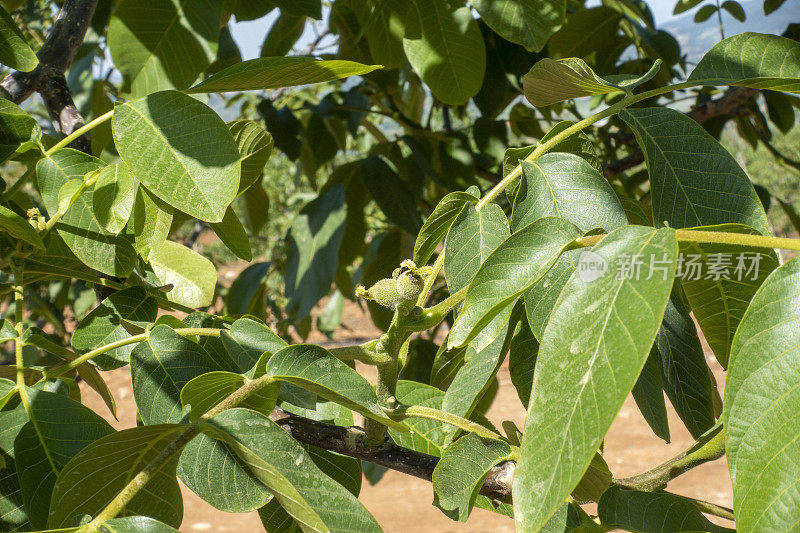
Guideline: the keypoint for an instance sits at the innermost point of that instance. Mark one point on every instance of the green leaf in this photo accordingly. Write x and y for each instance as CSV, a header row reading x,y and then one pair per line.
x,y
540,299
522,354
79,227
245,288
393,195
19,228
114,194
648,393
255,146
192,276
59,428
685,375
160,368
526,22
313,499
181,151
315,369
383,23
438,224
566,186
551,81
472,237
684,5
231,232
120,316
459,475
658,512
762,392
276,72
164,44
719,281
570,518
772,5
735,9
510,270
212,470
752,60
151,220
313,246
444,46
136,524
713,189
16,128
14,50
92,478
207,390
705,13
598,339
254,340
586,31
282,35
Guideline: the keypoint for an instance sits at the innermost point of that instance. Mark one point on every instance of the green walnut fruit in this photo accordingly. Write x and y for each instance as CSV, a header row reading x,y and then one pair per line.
x,y
405,285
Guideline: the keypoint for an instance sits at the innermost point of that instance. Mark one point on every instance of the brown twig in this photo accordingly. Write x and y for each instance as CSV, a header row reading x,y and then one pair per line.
x,y
350,441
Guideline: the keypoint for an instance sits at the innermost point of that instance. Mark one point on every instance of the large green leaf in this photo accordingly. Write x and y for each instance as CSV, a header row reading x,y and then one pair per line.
x,y
445,47
393,195
459,474
16,127
313,247
706,188
510,270
522,354
255,147
59,428
79,226
181,151
438,224
566,186
685,375
232,233
753,60
164,44
192,276
19,228
160,368
593,349
648,393
313,499
275,72
315,369
540,299
472,237
249,342
551,81
762,394
383,23
136,524
151,220
585,31
526,22
207,390
719,281
14,50
114,194
92,478
655,512
120,316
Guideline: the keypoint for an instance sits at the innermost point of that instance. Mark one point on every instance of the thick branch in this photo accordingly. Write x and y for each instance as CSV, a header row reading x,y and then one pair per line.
x,y
350,441
55,57
731,103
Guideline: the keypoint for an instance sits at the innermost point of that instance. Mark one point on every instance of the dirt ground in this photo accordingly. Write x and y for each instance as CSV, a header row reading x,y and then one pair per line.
x,y
402,503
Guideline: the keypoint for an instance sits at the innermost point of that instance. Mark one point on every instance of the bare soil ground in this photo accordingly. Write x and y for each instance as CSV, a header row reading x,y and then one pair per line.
x,y
403,504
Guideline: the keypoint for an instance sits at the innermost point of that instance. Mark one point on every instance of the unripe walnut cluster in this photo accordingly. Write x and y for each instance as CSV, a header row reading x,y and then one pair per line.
x,y
405,285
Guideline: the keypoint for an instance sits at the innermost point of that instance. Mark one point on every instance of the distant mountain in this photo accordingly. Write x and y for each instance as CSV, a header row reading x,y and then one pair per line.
x,y
697,39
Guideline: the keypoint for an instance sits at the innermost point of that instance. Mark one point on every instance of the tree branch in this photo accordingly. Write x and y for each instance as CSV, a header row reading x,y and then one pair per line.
x,y
55,56
350,441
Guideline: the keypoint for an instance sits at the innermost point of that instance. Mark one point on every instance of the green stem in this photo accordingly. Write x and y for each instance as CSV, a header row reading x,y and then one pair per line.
x,y
434,315
712,508
429,413
62,369
80,131
708,447
117,505
19,344
431,279
365,353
